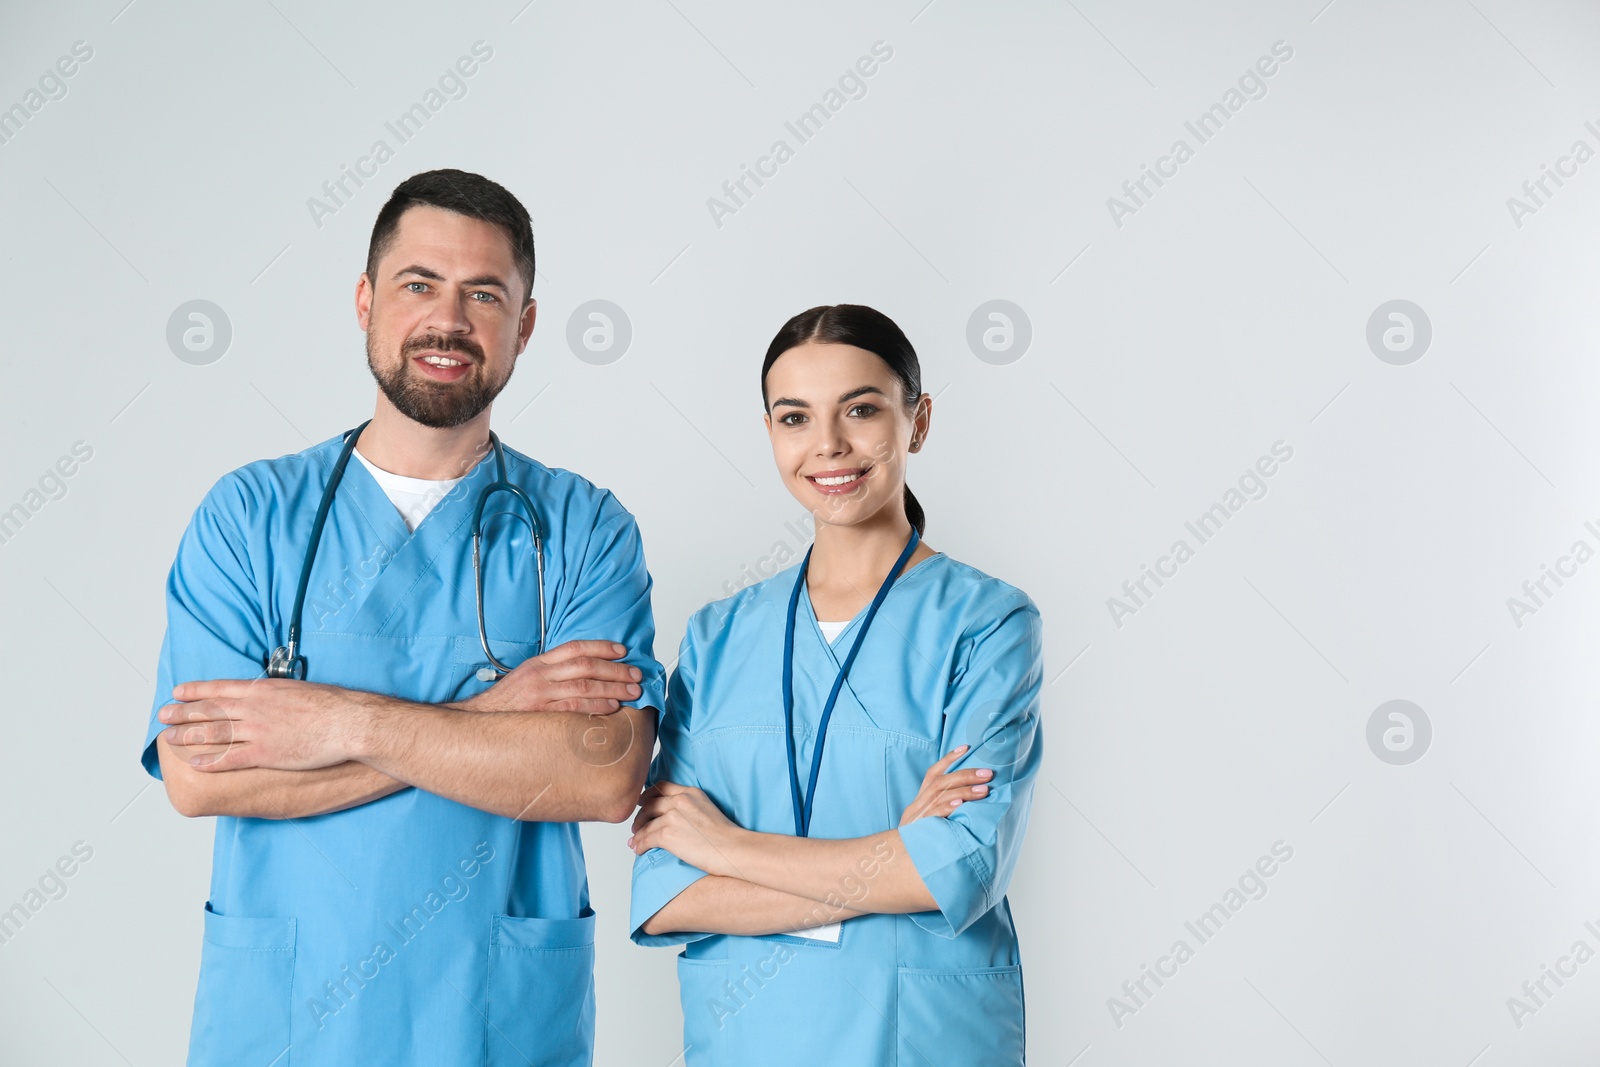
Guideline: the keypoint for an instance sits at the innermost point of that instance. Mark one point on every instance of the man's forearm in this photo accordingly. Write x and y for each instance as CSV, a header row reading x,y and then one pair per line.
x,y
717,905
873,873
263,793
547,766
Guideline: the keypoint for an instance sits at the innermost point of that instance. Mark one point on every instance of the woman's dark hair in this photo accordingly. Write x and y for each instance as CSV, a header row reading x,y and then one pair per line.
x,y
467,194
864,328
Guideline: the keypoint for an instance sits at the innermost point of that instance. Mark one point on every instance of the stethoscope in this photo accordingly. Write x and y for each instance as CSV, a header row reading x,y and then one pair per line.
x,y
286,661
802,802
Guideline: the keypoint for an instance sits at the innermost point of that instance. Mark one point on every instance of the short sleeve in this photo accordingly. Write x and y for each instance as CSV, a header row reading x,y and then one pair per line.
x,y
658,875
215,627
966,859
611,601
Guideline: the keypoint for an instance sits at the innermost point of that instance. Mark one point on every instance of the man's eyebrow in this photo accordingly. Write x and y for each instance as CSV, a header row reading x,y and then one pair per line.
x,y
846,398
423,272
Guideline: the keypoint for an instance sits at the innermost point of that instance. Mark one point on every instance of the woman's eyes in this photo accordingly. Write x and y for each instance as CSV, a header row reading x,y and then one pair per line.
x,y
859,411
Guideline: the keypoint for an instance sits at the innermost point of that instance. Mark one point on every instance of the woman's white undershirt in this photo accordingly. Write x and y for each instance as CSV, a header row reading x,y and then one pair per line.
x,y
832,630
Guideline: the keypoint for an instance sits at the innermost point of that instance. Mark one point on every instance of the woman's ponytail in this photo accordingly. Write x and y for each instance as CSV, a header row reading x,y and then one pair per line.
x,y
914,513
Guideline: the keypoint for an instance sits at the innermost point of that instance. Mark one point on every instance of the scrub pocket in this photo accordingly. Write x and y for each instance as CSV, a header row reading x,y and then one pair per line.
x,y
243,1002
960,1017
706,1012
541,991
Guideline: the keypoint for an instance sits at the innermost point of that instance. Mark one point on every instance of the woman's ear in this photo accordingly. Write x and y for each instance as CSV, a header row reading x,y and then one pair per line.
x,y
921,419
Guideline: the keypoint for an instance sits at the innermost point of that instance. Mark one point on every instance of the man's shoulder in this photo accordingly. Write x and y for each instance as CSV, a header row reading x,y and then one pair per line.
x,y
245,491
566,492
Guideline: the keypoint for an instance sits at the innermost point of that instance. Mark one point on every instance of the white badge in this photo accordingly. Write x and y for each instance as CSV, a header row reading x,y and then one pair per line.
x,y
820,933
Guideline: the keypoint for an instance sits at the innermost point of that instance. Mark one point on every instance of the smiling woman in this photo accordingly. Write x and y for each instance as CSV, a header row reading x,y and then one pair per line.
x,y
836,827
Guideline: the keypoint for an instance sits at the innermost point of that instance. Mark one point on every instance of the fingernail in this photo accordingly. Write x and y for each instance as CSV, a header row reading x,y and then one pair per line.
x,y
634,690
961,748
618,649
636,674
986,773
980,789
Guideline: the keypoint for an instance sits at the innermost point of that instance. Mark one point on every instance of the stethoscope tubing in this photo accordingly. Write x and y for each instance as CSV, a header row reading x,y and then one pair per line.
x,y
286,661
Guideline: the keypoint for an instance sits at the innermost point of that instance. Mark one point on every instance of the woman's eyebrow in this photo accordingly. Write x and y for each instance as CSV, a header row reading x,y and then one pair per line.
x,y
846,398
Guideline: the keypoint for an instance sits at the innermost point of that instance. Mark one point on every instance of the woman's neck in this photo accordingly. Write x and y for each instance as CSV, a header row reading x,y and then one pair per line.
x,y
849,563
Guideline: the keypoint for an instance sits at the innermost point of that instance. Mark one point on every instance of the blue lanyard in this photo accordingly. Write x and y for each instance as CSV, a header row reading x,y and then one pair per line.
x,y
802,805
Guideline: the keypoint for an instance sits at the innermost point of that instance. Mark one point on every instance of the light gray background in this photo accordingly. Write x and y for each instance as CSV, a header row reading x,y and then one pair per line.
x,y
1167,354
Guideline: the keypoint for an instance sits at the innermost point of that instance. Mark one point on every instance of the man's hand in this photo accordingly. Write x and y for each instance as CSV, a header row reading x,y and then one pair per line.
x,y
944,790
685,822
278,723
578,676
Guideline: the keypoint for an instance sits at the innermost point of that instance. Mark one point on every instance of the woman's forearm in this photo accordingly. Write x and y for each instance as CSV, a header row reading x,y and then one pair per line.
x,y
716,905
871,874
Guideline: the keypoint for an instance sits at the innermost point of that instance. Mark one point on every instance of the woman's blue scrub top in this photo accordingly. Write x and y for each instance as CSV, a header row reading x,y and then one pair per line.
x,y
953,658
414,929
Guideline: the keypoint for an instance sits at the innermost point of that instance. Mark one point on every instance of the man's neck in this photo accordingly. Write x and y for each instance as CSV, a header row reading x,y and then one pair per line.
x,y
400,445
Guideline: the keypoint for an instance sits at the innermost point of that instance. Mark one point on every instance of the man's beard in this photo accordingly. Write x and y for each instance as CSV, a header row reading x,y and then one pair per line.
x,y
440,405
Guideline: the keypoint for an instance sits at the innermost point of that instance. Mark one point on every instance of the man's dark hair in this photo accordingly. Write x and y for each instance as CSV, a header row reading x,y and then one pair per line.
x,y
464,193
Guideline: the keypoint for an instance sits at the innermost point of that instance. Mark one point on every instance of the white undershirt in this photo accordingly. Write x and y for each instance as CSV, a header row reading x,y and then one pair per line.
x,y
832,630
412,497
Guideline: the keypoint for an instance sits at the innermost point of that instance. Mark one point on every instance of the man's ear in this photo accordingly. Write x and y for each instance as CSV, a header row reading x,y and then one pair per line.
x,y
530,313
363,301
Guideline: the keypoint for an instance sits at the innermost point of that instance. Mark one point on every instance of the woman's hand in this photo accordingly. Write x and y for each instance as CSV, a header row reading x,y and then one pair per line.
x,y
942,792
684,821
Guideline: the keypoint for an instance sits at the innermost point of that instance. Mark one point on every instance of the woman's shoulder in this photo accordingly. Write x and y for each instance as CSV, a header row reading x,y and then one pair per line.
x,y
755,604
975,590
